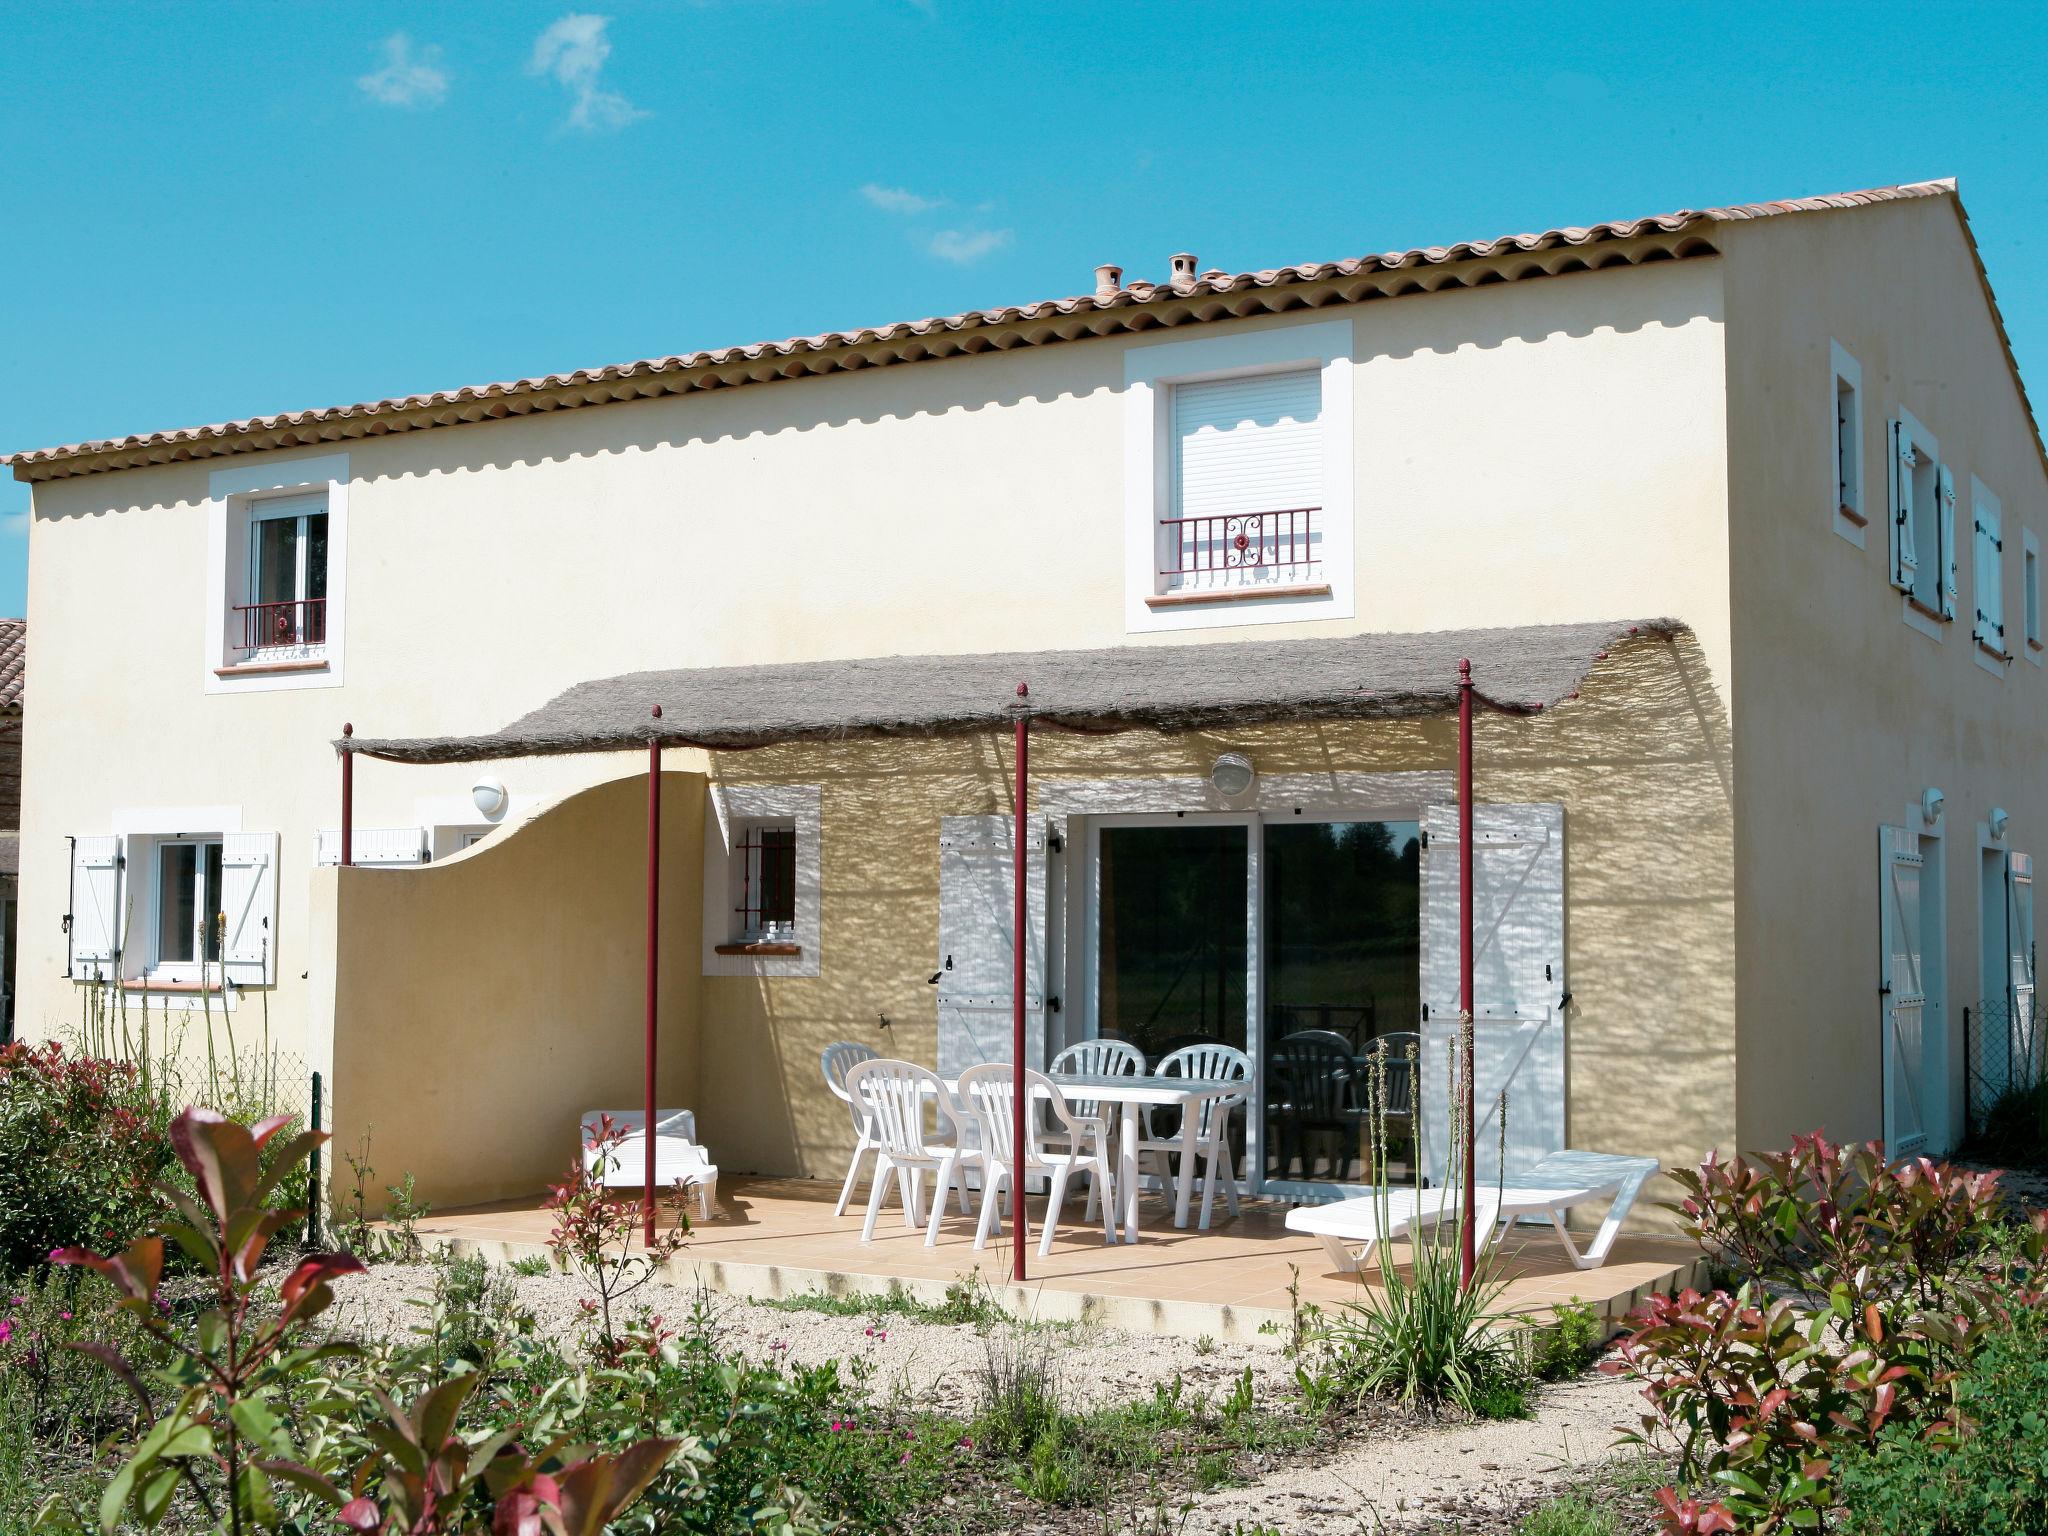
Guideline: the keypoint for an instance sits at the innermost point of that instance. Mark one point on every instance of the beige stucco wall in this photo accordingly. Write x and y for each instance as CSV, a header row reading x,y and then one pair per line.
x,y
478,1007
1528,452
1843,714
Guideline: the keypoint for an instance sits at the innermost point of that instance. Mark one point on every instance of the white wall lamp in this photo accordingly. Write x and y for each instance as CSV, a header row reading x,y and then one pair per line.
x,y
1931,802
1233,775
1998,823
490,798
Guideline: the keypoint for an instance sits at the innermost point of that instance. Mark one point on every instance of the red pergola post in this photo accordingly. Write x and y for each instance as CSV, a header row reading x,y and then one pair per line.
x,y
653,968
348,795
1468,1255
1018,969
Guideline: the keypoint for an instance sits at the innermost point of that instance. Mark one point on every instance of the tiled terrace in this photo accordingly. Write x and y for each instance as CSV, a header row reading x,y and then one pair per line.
x,y
778,1237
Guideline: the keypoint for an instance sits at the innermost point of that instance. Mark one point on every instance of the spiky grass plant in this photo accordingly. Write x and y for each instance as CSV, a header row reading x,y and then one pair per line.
x,y
1423,1335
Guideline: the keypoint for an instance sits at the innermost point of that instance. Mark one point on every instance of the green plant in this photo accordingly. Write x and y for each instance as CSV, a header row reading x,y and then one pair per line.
x,y
1568,1343
1569,1514
219,1435
2016,1127
531,1265
395,1237
594,1231
1504,1394
1988,1476
1867,1289
1020,1394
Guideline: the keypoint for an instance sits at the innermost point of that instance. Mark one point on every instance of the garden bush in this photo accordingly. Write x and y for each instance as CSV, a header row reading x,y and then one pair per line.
x,y
1865,1292
1988,1477
82,1143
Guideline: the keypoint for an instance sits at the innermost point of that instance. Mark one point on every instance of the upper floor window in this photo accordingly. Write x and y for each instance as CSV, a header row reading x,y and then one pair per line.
x,y
1238,478
2030,592
1245,512
277,557
1923,532
285,614
1847,458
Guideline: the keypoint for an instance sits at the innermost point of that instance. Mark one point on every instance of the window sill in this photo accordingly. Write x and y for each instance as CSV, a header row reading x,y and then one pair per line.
x,y
758,949
2034,645
269,668
1919,607
1235,595
1851,515
190,988
1996,653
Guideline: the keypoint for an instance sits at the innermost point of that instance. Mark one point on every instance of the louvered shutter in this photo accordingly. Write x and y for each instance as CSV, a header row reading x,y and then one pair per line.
x,y
1947,495
94,927
248,894
1245,447
1905,997
391,846
1905,558
1518,982
977,890
2023,1049
1987,575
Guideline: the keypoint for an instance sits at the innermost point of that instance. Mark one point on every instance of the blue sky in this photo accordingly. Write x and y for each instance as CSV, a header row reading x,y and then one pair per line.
x,y
217,211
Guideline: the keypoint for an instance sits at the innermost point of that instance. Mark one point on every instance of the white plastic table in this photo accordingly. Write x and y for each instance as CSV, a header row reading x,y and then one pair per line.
x,y
1134,1094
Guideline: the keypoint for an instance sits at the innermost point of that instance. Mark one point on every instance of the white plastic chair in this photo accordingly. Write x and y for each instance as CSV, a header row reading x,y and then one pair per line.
x,y
896,1096
678,1159
1213,1061
837,1060
1095,1058
988,1092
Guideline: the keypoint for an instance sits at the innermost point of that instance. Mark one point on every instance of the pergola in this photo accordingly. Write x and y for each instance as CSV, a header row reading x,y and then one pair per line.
x,y
1161,688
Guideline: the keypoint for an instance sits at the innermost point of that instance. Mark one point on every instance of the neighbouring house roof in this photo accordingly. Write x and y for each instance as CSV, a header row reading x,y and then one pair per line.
x,y
1134,306
1155,687
13,663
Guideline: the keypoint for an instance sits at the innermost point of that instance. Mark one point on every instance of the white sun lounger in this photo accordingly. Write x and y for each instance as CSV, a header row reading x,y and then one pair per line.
x,y
1351,1229
677,1156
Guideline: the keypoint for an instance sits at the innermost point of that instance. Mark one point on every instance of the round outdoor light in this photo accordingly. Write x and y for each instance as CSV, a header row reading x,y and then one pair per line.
x,y
1232,774
490,798
1999,819
1931,802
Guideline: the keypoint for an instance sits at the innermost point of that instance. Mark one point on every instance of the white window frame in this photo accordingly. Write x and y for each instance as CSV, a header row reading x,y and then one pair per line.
x,y
1990,645
158,967
1846,495
1150,372
1917,614
298,510
2030,594
234,500
728,809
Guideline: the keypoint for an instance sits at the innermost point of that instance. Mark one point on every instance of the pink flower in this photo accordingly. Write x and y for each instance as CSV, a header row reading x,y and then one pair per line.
x,y
55,1254
6,1330
65,1315
903,1460
18,1301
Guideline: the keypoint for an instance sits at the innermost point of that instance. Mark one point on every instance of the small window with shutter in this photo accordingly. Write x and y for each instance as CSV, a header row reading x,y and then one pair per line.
x,y
2030,591
1923,522
1246,508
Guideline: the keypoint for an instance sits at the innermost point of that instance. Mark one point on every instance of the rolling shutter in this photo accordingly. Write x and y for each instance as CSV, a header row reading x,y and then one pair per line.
x,y
248,868
372,845
977,884
1248,444
94,923
1905,997
1518,982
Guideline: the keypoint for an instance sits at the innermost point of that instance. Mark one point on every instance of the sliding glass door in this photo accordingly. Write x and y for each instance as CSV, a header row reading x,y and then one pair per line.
x,y
1172,942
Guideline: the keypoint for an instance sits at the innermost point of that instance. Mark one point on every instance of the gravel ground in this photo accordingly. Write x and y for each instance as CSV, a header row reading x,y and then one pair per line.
x,y
1400,1475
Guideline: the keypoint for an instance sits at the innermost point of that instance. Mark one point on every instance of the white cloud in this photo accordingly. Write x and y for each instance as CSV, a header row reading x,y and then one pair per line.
x,y
965,246
899,199
573,51
14,524
408,79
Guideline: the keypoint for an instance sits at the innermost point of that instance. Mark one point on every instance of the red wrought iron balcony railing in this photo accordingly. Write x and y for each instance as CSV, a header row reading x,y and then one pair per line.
x,y
273,626
1284,544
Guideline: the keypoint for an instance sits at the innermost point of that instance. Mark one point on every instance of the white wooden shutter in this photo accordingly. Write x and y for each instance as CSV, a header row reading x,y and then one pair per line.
x,y
1987,573
1905,998
372,845
1518,981
248,895
94,927
2023,1044
977,885
1947,494
1905,558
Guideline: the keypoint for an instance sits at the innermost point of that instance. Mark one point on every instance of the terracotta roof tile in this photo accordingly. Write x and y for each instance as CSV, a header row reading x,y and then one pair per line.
x,y
13,662
1136,304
